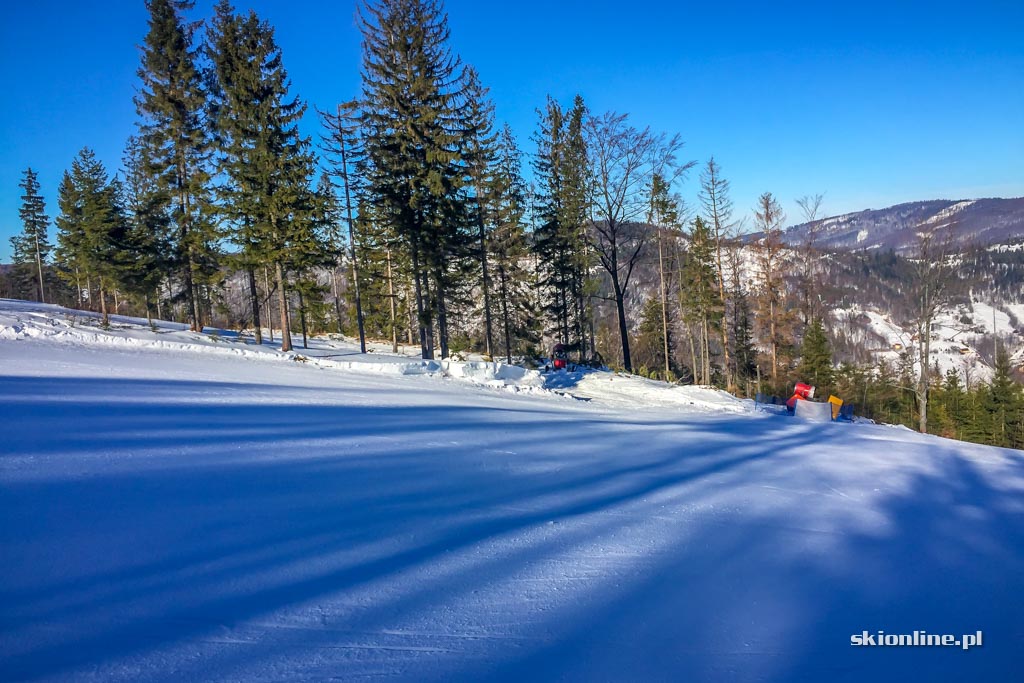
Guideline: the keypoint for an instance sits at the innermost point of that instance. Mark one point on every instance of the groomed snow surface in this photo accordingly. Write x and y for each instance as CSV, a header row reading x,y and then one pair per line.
x,y
180,506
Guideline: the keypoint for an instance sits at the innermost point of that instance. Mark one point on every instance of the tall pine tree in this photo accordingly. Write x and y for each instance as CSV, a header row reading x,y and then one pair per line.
x,y
509,251
144,250
267,163
31,249
91,226
171,105
816,366
698,297
411,118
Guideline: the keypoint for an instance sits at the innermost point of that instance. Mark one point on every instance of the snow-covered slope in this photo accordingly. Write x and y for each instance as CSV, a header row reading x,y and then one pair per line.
x,y
959,334
206,510
23,320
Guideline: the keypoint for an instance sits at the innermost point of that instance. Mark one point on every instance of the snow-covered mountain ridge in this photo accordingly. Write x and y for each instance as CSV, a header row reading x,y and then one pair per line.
x,y
974,222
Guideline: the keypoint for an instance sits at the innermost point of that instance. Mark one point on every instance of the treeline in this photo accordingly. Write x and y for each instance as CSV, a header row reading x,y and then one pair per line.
x,y
411,219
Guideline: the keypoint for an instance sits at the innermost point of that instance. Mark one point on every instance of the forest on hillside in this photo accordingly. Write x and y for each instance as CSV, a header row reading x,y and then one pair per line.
x,y
418,218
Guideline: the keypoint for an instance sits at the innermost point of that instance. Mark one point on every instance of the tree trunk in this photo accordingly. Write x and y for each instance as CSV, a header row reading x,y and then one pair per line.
x,y
442,312
391,298
270,310
577,302
337,299
39,268
664,303
775,345
351,234
485,277
693,353
721,292
103,305
282,301
302,319
422,316
620,307
922,383
505,316
587,306
193,303
254,300
78,289
707,353
409,299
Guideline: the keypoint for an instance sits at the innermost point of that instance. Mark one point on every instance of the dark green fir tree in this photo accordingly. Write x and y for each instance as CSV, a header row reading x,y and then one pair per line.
x,y
171,104
31,249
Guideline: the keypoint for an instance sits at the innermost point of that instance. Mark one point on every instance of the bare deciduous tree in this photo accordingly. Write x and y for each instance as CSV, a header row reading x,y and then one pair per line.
x,y
624,160
932,270
809,283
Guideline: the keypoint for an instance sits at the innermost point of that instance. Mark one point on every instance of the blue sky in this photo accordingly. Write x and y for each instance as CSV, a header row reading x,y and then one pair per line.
x,y
869,103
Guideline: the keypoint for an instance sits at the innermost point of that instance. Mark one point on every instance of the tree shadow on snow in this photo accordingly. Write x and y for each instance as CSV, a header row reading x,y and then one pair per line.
x,y
211,517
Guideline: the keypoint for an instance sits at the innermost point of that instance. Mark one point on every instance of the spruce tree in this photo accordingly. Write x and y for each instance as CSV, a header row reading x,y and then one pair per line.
x,y
743,338
714,198
562,210
171,105
816,367
576,208
509,249
267,163
653,350
698,296
664,216
329,218
953,404
31,249
411,118
345,155
1004,404
386,276
480,153
553,241
143,253
91,226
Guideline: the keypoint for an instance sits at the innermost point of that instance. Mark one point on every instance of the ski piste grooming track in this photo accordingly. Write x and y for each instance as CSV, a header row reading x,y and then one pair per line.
x,y
177,506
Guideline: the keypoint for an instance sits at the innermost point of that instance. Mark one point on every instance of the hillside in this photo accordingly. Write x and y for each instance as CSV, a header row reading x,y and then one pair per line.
x,y
864,290
182,506
975,223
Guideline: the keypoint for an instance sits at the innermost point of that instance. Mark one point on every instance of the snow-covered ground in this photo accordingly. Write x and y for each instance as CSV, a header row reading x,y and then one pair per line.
x,y
181,506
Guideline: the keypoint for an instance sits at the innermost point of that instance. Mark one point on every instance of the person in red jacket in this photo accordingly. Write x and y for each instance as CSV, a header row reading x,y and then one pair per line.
x,y
559,357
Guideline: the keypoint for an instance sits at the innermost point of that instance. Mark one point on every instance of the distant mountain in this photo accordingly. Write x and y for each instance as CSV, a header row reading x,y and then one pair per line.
x,y
976,222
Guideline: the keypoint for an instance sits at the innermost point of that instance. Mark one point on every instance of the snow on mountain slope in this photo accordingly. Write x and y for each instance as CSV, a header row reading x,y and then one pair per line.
x,y
975,222
958,334
174,513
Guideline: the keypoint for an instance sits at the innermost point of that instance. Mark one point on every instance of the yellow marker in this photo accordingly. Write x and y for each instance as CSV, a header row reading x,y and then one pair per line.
x,y
837,403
